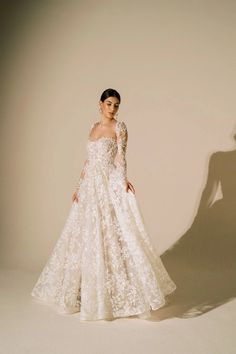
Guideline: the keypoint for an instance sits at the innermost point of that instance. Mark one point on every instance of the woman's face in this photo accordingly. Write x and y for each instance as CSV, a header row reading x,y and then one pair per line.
x,y
109,107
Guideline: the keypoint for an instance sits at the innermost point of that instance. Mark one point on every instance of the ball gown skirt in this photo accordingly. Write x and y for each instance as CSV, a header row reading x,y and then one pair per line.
x,y
104,265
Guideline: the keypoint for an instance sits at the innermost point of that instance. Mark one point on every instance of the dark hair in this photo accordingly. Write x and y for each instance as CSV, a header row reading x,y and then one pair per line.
x,y
109,93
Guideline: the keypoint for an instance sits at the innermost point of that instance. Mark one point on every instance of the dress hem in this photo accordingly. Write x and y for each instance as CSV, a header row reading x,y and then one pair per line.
x,y
145,313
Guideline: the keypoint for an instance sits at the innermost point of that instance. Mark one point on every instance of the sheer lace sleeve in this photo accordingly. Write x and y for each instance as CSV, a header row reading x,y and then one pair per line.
x,y
120,159
83,172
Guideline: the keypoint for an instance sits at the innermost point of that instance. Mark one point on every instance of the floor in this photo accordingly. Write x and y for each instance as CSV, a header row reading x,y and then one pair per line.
x,y
179,327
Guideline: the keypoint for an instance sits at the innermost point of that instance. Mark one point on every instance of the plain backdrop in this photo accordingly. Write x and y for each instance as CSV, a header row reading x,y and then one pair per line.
x,y
173,63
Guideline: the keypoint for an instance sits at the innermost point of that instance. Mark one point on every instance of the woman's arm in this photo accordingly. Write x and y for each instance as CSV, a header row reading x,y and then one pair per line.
x,y
82,175
120,159
78,183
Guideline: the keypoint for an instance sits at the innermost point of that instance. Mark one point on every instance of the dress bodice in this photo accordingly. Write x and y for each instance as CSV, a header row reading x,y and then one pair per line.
x,y
102,151
106,155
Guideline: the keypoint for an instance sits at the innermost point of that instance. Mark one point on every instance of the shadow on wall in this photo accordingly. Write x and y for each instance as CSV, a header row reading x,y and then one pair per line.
x,y
203,261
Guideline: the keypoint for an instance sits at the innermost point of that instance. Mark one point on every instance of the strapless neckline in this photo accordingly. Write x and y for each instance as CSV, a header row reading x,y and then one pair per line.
x,y
102,137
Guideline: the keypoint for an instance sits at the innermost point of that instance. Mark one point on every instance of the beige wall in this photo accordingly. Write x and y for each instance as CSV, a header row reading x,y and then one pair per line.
x,y
173,63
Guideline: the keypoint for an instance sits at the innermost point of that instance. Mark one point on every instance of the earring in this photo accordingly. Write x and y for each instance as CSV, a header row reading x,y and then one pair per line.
x,y
100,110
116,115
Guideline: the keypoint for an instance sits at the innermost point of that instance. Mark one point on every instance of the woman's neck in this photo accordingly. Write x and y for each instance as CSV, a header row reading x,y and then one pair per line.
x,y
105,121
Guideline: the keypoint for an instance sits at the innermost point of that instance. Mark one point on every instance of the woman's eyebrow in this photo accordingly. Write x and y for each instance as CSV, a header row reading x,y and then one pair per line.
x,y
111,102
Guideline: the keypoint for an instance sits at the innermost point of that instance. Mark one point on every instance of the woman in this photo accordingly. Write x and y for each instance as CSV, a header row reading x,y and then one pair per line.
x,y
104,264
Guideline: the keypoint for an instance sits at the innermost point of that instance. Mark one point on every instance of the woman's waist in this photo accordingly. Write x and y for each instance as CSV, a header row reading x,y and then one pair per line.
x,y
101,161
97,163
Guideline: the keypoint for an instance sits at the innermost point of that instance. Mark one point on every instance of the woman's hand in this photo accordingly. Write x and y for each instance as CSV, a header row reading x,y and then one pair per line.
x,y
75,197
129,186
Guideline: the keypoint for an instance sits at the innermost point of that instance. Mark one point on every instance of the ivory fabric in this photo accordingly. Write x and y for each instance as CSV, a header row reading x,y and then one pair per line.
x,y
104,264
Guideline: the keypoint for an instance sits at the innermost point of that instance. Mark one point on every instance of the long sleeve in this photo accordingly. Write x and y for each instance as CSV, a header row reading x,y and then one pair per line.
x,y
120,159
83,172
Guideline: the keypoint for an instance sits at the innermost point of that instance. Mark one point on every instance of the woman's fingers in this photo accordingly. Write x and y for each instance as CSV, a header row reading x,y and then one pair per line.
x,y
131,187
75,197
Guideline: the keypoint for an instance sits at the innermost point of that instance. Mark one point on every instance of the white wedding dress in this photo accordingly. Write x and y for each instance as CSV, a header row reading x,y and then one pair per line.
x,y
104,264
